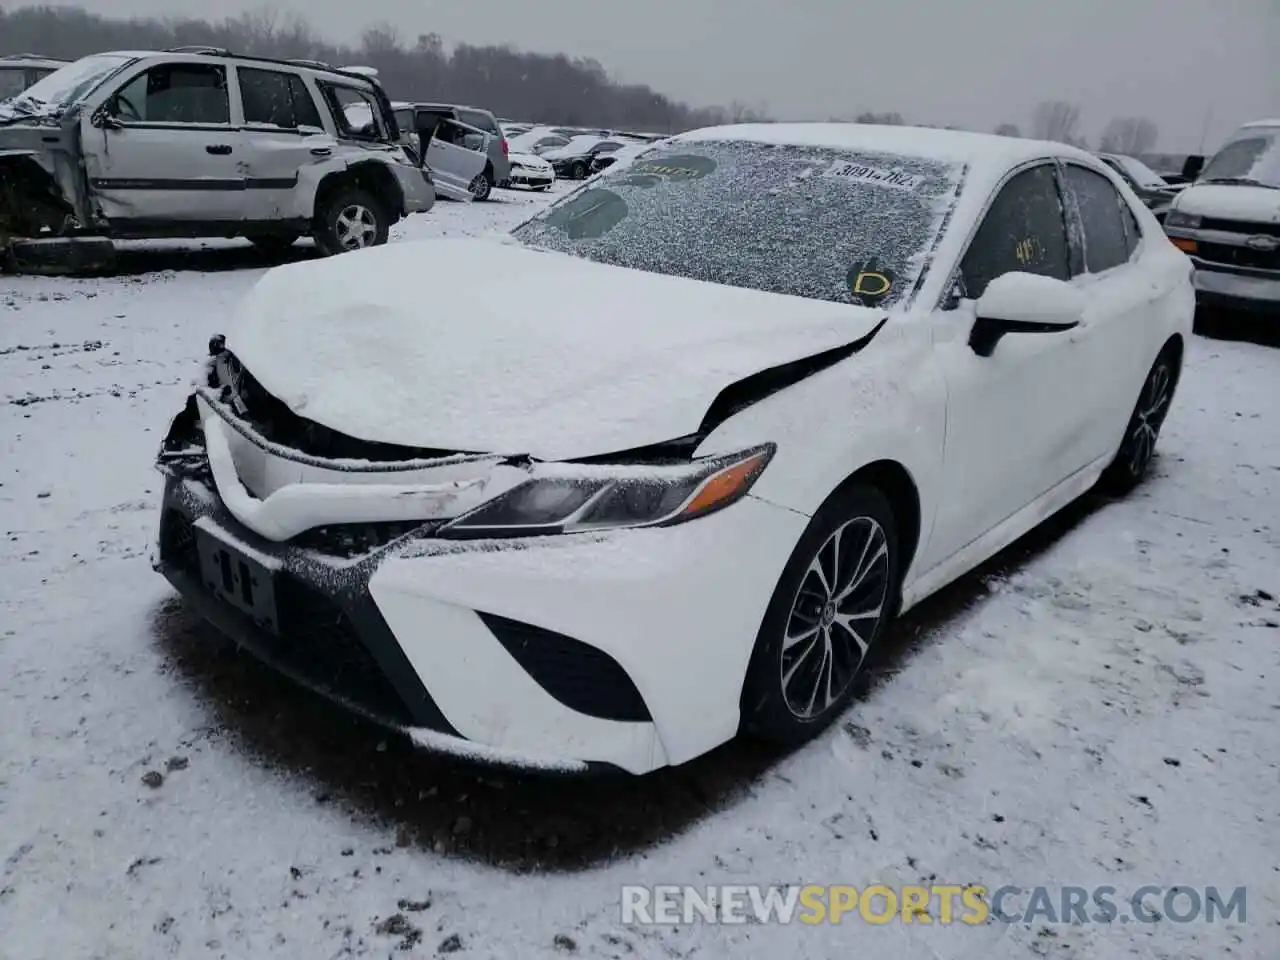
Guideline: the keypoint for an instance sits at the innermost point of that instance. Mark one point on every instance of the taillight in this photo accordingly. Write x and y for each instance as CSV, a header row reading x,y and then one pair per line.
x,y
505,150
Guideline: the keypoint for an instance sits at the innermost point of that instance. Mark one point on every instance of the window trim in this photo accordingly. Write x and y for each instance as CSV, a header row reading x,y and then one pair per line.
x,y
228,78
1063,164
947,299
326,86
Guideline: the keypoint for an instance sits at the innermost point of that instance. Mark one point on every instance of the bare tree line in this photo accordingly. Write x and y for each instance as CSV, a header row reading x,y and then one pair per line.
x,y
551,88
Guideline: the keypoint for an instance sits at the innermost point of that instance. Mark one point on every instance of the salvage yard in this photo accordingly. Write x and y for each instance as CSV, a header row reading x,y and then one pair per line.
x,y
1097,705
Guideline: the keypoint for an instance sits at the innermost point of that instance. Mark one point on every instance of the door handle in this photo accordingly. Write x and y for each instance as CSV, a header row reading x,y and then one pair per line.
x,y
218,148
320,151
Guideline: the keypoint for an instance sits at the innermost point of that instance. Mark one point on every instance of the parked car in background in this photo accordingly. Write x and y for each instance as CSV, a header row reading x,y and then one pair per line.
x,y
574,159
628,151
537,141
510,130
457,155
498,170
201,142
531,171
1228,222
20,70
578,542
1151,188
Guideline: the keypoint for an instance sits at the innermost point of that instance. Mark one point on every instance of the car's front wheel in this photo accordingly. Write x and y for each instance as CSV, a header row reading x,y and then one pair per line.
x,y
482,186
1137,449
836,595
578,171
350,218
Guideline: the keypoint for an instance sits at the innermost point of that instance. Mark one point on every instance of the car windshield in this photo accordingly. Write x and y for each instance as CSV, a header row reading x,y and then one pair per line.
x,y
1253,157
1141,174
75,81
804,221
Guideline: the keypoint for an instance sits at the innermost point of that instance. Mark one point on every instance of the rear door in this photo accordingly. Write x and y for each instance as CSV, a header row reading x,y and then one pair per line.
x,y
1118,332
168,152
283,132
456,155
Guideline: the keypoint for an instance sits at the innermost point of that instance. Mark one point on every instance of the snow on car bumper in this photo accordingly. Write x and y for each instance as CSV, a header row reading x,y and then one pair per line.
x,y
626,649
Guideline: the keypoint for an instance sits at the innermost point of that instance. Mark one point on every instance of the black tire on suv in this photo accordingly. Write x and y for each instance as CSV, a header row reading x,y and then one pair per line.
x,y
349,217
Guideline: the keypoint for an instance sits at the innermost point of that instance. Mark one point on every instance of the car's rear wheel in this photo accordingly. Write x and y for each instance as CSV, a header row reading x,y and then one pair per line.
x,y
1137,449
482,186
578,171
836,595
351,218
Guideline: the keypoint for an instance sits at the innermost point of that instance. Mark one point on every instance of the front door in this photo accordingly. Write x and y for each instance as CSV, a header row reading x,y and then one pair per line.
x,y
1011,416
162,150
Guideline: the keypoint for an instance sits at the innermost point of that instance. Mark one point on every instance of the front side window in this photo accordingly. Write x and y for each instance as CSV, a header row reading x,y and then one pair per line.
x,y
356,112
1023,231
175,93
1098,206
276,99
803,221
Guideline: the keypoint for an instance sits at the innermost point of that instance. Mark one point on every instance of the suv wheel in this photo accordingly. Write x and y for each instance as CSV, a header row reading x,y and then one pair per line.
x,y
350,218
482,186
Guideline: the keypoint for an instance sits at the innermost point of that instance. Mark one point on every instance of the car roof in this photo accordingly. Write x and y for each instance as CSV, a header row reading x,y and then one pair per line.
x,y
980,150
31,60
196,53
1262,123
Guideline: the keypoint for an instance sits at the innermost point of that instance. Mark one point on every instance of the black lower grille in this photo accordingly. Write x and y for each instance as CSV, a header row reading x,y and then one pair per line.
x,y
1239,256
1240,226
582,677
319,643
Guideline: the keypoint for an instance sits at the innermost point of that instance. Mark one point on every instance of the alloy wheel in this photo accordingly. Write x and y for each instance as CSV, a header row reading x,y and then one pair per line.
x,y
1152,407
837,608
356,227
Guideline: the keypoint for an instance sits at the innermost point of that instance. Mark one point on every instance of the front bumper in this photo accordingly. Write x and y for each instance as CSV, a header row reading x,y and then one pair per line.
x,y
529,178
1253,291
625,649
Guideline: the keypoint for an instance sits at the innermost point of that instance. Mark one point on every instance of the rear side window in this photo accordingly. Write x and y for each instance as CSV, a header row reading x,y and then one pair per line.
x,y
1023,232
1101,222
175,93
480,120
277,99
355,112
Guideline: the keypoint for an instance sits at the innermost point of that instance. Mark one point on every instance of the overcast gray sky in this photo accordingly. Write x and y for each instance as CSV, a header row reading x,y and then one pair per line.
x,y
970,62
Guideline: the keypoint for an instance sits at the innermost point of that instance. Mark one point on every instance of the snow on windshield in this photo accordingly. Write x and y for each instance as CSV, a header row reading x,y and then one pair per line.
x,y
805,221
1253,155
74,81
1142,175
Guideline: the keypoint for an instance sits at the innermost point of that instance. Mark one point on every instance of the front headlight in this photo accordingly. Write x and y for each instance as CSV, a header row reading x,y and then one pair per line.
x,y
1176,219
615,498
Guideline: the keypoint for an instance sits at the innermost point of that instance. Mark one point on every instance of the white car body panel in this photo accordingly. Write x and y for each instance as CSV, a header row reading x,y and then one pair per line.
x,y
1230,202
992,445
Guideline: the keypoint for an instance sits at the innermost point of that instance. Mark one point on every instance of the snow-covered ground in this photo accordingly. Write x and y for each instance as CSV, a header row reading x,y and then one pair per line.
x,y
1097,706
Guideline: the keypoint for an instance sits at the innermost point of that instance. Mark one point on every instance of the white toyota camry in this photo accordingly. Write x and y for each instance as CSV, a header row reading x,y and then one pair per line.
x,y
788,380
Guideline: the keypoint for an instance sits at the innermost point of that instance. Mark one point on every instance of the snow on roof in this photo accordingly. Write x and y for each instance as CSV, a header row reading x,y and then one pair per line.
x,y
984,149
1262,123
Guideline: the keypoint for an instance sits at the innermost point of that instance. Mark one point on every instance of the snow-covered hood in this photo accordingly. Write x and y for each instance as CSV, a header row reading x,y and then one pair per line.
x,y
489,346
1230,202
528,160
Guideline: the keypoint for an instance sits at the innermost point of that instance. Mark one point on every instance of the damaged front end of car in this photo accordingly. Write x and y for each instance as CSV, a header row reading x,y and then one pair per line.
x,y
47,223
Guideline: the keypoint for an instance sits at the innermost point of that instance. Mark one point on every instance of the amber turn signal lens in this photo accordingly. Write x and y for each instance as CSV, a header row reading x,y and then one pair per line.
x,y
725,486
1185,244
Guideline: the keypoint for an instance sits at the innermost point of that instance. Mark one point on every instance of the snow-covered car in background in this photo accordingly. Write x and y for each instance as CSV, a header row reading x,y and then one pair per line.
x,y
574,159
18,71
1228,221
689,498
628,151
1151,188
531,171
536,141
200,142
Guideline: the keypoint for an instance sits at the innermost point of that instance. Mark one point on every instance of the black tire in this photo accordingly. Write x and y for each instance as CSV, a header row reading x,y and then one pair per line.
x,y
1133,460
60,256
482,186
783,678
578,171
337,217
274,244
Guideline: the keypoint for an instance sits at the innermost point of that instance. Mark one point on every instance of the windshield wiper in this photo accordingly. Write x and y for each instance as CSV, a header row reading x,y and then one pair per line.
x,y
1241,182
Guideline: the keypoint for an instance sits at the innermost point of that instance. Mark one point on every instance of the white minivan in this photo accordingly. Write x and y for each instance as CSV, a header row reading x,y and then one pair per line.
x,y
1228,222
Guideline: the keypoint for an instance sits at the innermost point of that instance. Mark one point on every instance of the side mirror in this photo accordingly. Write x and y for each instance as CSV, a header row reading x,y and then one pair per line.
x,y
1192,166
1024,303
104,120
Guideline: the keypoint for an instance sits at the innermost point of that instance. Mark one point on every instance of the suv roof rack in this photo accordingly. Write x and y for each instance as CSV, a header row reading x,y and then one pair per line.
x,y
315,64
201,48
30,56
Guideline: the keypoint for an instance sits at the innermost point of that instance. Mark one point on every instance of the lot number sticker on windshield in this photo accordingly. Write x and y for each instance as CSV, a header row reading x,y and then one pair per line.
x,y
861,173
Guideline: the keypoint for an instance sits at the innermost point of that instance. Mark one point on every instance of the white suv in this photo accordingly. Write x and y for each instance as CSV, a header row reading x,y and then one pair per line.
x,y
199,142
